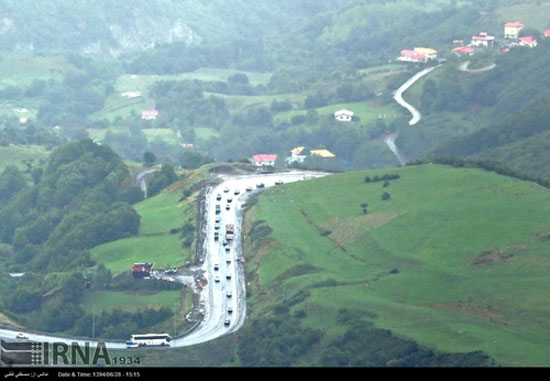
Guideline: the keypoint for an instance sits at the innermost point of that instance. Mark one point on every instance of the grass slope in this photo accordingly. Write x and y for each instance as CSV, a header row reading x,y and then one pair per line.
x,y
468,250
159,216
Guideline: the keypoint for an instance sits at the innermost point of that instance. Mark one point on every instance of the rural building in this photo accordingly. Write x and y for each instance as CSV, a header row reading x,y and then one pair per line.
x,y
412,56
23,120
512,28
430,53
131,94
296,155
463,50
264,159
547,33
482,39
149,114
343,116
528,41
323,153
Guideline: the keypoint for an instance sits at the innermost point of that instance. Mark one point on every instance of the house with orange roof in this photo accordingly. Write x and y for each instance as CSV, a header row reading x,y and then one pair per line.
x,y
512,28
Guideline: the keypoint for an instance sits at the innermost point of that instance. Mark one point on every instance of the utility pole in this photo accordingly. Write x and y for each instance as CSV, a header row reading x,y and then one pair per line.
x,y
93,324
175,321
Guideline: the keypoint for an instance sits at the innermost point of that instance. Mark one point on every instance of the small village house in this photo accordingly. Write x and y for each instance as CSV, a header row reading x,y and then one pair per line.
x,y
482,40
412,56
430,53
512,28
296,155
528,41
343,115
463,51
264,159
149,114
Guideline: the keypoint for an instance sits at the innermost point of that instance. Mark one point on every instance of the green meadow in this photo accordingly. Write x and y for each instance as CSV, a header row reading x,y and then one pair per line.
x,y
17,154
456,259
99,301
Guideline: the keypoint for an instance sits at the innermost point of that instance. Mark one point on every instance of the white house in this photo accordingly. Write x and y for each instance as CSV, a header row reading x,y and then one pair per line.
x,y
512,28
528,41
296,155
343,116
483,39
412,56
149,114
264,159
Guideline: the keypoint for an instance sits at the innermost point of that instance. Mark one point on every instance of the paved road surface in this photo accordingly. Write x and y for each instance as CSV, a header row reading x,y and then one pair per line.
x,y
214,295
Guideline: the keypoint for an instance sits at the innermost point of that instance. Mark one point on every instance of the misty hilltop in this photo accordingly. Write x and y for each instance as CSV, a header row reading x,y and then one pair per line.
x,y
94,26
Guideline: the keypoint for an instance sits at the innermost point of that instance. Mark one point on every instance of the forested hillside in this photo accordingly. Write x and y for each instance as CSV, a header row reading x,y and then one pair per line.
x,y
80,199
94,26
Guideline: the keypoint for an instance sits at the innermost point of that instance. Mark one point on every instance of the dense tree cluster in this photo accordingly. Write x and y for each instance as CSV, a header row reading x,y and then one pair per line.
x,y
80,201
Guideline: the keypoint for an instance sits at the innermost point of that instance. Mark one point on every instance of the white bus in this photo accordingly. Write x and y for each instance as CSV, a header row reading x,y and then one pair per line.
x,y
149,339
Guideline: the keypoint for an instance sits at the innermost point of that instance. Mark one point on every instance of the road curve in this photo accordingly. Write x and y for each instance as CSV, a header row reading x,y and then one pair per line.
x,y
213,296
464,67
139,179
398,94
390,142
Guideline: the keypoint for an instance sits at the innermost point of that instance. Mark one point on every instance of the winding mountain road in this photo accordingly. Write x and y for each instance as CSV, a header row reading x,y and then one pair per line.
x,y
214,296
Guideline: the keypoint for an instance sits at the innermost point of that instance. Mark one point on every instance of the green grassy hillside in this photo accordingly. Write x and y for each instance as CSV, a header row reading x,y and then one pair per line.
x,y
456,259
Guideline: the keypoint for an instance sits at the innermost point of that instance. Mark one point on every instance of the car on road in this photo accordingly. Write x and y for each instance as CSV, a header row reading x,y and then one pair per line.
x,y
217,219
228,276
229,310
228,259
21,336
217,278
225,243
216,236
229,293
217,226
216,266
236,192
260,185
249,189
227,322
225,190
218,197
229,199
227,249
278,182
227,207
218,209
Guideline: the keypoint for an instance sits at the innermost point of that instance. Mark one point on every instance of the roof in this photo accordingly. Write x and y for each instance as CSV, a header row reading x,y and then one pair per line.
x,y
413,55
343,112
528,39
514,24
483,37
297,150
261,157
547,33
426,51
324,153
463,49
149,113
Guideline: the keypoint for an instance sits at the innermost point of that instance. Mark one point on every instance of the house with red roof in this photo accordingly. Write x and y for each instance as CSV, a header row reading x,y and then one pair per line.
x,y
547,33
149,114
463,50
264,159
412,56
482,39
512,28
528,41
